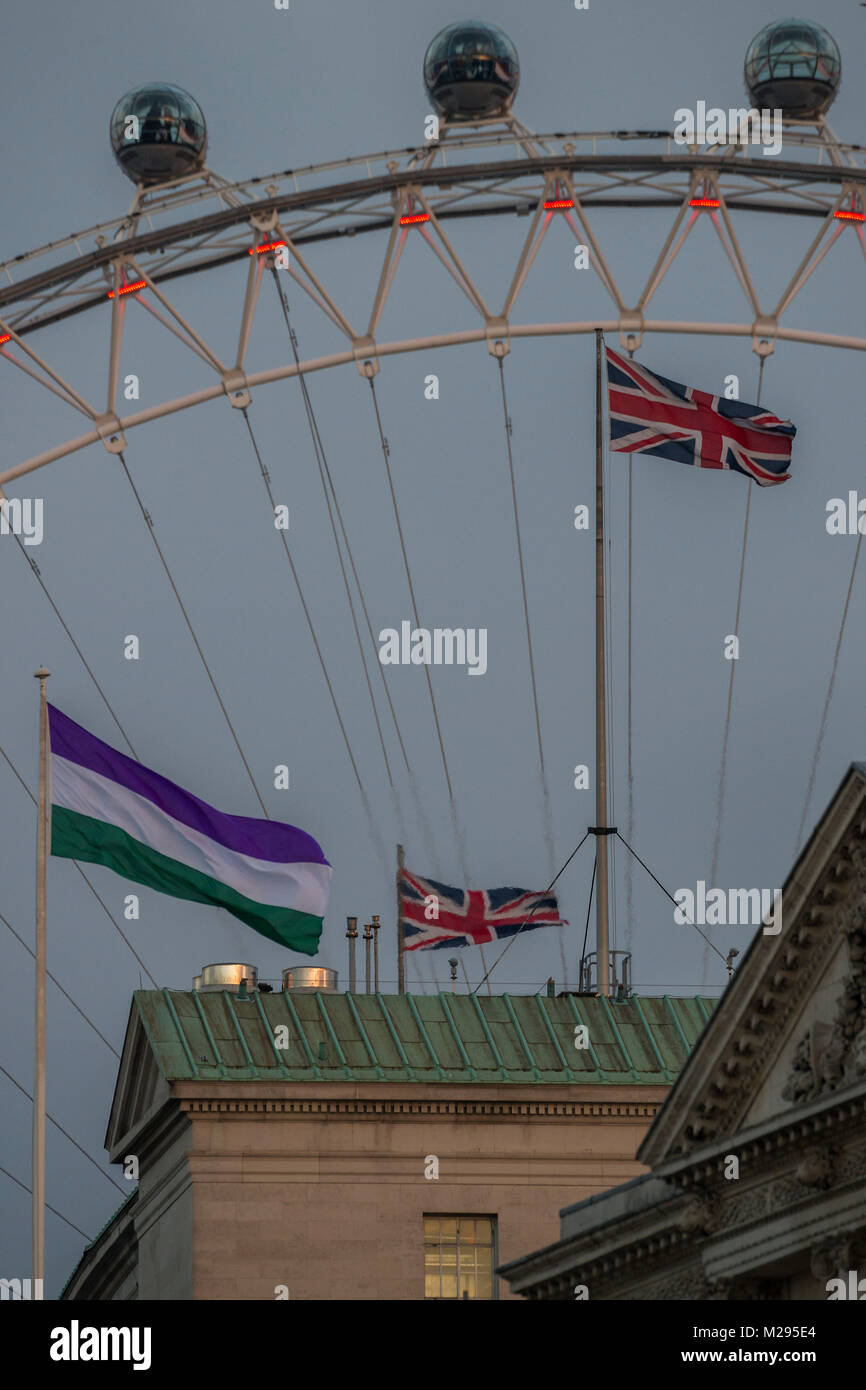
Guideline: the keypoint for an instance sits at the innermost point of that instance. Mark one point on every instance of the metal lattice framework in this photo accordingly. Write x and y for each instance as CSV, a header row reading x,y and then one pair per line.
x,y
493,169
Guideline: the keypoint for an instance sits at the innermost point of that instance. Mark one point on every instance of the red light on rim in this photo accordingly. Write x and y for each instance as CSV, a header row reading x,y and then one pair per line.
x,y
705,202
412,219
5,338
553,204
129,289
849,215
267,246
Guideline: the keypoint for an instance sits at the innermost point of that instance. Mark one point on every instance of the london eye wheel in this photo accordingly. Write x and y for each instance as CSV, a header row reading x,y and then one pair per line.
x,y
144,340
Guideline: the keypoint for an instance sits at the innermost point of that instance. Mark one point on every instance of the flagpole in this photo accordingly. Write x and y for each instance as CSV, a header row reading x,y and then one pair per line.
x,y
401,968
602,942
39,1068
484,967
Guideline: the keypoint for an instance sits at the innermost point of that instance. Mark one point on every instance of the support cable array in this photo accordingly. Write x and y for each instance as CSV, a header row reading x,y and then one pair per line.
x,y
312,628
48,1205
333,507
55,981
720,795
829,696
549,889
149,523
613,831
670,895
461,849
64,1132
545,788
586,925
332,503
43,586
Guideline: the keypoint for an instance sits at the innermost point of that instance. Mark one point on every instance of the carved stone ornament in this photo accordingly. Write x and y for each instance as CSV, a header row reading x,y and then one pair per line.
x,y
716,1290
832,1055
817,1166
838,1253
801,1084
698,1217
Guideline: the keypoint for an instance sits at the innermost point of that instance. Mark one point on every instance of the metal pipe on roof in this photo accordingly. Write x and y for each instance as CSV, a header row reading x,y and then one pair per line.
x,y
352,936
376,925
368,937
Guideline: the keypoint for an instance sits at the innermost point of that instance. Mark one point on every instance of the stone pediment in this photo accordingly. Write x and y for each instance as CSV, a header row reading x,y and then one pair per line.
x,y
139,1089
791,1026
819,1055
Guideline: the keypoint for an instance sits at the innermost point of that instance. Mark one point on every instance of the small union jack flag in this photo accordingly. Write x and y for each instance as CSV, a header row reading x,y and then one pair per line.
x,y
651,415
435,914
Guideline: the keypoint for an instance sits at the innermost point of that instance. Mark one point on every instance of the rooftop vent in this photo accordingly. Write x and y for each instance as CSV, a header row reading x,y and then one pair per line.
x,y
307,979
225,975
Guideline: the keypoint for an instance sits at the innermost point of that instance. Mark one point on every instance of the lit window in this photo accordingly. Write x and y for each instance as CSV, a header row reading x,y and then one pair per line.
x,y
459,1256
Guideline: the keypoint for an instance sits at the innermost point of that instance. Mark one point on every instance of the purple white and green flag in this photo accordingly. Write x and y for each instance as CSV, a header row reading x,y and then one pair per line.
x,y
108,809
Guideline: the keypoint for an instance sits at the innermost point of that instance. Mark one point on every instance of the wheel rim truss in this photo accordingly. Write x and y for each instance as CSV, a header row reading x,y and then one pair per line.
x,y
424,200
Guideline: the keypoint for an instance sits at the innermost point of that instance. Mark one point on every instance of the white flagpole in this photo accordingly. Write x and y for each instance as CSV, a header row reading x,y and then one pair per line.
x,y
601,888
401,959
484,965
39,1068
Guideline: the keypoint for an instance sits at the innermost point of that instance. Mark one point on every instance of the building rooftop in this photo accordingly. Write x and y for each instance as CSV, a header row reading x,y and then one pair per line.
x,y
523,1039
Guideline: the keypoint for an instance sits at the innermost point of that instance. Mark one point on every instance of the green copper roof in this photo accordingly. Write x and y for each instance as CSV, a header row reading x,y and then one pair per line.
x,y
521,1039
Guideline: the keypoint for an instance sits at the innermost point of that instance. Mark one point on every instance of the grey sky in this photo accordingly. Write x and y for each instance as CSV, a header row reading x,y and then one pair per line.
x,y
323,81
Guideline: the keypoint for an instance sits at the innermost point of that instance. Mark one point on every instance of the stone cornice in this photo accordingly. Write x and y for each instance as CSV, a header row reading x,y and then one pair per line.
x,y
351,1108
151,1136
830,1118
646,1239
595,1098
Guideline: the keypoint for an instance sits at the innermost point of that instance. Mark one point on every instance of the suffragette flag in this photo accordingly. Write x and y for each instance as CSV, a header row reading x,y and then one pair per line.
x,y
108,809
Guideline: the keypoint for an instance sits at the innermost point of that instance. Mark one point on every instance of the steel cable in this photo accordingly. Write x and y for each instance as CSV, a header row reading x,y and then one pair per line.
x,y
720,795
826,710
55,981
330,490
149,523
548,890
374,830
48,1205
386,456
35,568
545,787
64,1132
672,898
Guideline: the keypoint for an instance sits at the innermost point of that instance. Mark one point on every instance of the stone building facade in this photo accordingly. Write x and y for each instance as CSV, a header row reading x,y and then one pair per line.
x,y
757,1186
398,1147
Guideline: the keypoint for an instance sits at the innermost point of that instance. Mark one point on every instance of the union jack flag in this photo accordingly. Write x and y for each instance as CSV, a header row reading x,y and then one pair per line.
x,y
434,914
651,415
